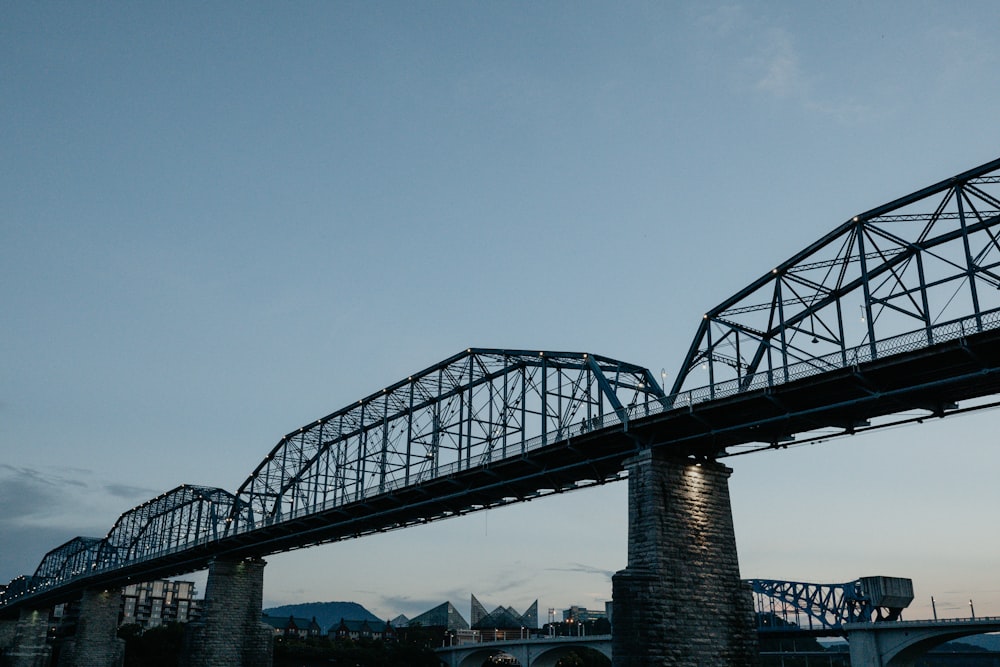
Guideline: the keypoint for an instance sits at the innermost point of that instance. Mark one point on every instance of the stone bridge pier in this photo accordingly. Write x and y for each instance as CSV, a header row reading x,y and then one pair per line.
x,y
230,632
680,600
23,643
96,642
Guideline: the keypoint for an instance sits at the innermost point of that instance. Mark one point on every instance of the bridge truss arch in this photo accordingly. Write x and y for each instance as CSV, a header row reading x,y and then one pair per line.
x,y
180,518
824,609
922,269
477,407
72,559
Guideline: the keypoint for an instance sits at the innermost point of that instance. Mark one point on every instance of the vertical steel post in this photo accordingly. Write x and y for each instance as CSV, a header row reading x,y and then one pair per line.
x,y
781,326
468,436
342,462
970,264
711,361
385,443
559,401
545,400
359,473
460,392
505,407
409,438
869,320
923,298
840,332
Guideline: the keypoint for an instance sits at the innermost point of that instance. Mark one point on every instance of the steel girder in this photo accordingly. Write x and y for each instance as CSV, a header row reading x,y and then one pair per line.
x,y
185,516
919,270
17,588
475,408
76,557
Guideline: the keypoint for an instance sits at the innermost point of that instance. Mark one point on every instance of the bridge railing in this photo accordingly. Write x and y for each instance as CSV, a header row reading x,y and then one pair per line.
x,y
974,620
913,340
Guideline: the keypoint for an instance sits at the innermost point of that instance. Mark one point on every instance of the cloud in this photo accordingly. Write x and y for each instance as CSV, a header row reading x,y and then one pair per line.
x,y
134,493
23,499
765,60
24,548
724,20
586,569
56,477
29,494
779,71
47,506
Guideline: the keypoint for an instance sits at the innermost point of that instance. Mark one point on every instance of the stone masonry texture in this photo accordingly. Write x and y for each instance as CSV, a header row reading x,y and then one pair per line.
x,y
95,643
29,647
680,601
230,632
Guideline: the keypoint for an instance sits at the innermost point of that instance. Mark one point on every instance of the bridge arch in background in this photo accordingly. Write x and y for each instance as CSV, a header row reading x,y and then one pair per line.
x,y
549,657
898,644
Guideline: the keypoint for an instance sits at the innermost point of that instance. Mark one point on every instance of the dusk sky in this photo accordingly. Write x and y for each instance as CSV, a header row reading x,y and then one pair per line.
x,y
221,221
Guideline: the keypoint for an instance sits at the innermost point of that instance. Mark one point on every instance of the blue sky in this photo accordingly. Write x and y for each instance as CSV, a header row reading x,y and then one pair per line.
x,y
220,222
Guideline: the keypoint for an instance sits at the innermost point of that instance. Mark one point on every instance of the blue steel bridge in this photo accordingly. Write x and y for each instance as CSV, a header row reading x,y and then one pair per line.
x,y
893,316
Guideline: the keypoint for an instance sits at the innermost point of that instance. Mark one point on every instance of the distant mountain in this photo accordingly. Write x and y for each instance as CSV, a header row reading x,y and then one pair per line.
x,y
326,613
988,642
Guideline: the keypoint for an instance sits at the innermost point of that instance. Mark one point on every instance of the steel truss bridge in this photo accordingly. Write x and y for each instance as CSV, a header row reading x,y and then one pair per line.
x,y
895,312
824,610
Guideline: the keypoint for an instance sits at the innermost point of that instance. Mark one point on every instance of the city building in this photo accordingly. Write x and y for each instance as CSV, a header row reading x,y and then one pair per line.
x,y
577,614
442,616
503,622
361,630
292,627
154,603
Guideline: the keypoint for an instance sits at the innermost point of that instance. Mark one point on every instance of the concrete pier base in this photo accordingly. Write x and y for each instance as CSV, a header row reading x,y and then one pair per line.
x,y
96,642
230,632
680,601
8,630
28,646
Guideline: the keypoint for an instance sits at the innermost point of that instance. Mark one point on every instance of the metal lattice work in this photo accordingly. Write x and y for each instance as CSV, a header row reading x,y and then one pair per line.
x,y
76,557
475,408
17,588
792,606
920,270
185,516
